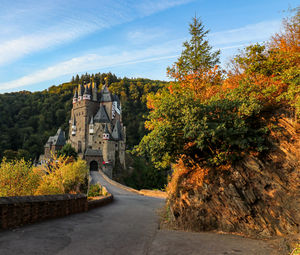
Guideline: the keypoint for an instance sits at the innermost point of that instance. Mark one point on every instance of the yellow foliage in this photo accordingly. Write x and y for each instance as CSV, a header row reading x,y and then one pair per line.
x,y
17,178
62,177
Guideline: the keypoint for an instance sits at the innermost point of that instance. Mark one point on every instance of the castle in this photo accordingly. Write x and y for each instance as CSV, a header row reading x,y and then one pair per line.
x,y
96,129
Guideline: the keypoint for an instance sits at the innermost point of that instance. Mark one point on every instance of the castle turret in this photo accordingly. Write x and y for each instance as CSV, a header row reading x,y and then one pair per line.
x,y
117,131
106,135
86,94
94,91
91,126
80,92
75,97
106,147
73,126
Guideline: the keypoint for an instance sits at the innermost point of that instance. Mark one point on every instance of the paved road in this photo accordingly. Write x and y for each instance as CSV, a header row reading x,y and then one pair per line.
x,y
127,226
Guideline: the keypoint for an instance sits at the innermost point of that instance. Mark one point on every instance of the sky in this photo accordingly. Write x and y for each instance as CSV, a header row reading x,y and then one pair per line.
x,y
46,42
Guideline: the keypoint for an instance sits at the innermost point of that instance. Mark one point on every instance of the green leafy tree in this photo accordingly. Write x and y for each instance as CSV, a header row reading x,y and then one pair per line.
x,y
193,119
67,151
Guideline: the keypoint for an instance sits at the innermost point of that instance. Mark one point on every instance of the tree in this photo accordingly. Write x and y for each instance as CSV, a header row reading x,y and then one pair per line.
x,y
67,151
193,120
197,55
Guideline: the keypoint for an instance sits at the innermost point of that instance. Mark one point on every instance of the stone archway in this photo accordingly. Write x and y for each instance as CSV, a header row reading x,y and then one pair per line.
x,y
93,166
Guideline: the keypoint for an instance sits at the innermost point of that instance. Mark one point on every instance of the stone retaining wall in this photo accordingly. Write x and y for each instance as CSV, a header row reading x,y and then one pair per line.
x,y
100,202
17,211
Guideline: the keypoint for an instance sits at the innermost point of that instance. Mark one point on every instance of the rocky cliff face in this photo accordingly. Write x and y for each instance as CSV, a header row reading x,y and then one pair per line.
x,y
257,197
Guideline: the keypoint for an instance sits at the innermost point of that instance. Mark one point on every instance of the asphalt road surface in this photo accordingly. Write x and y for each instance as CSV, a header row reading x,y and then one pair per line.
x,y
129,225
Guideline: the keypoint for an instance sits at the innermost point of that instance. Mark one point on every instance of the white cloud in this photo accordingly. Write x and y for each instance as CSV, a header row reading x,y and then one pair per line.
x,y
253,32
94,61
22,46
142,36
24,31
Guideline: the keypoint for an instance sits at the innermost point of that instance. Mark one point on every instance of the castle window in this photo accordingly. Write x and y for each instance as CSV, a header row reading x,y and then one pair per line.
x,y
116,145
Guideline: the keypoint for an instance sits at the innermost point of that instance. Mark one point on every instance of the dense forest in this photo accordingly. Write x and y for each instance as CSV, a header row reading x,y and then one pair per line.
x,y
28,119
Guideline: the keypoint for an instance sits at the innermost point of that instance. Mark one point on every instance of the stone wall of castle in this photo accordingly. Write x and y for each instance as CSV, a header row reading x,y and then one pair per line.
x,y
96,129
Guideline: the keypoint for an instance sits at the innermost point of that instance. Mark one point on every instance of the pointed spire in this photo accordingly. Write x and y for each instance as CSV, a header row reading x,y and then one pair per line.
x,y
106,96
75,94
91,126
59,139
80,92
102,116
106,129
94,91
117,132
75,97
106,133
86,94
73,128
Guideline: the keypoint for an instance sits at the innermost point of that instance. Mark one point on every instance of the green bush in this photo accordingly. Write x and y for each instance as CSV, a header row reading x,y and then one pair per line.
x,y
97,190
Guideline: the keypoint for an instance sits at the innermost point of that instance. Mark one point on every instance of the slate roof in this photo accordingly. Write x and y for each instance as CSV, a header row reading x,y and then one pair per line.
x,y
102,116
58,140
81,90
117,131
106,96
116,98
106,129
86,91
91,152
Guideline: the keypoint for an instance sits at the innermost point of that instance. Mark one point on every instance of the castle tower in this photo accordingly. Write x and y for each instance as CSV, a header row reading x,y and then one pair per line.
x,y
94,91
86,94
106,99
83,110
80,92
96,129
105,138
75,97
73,128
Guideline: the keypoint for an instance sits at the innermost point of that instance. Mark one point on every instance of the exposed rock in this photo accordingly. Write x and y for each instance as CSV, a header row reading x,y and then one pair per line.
x,y
257,197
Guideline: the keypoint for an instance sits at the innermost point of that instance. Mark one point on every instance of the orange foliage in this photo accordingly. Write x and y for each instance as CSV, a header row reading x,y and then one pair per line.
x,y
289,40
183,169
204,85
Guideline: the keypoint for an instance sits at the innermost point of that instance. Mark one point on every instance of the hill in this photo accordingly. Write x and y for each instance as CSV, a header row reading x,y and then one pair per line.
x,y
28,119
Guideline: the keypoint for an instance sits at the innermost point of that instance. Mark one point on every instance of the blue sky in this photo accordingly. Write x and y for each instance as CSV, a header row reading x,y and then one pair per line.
x,y
46,42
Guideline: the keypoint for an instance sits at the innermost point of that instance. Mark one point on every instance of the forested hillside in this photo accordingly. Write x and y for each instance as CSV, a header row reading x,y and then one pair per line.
x,y
28,119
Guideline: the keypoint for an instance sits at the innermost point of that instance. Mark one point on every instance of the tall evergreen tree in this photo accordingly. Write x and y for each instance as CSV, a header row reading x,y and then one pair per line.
x,y
197,55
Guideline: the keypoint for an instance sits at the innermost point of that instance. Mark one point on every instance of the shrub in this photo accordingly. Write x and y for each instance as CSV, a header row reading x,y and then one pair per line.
x,y
97,190
18,178
63,177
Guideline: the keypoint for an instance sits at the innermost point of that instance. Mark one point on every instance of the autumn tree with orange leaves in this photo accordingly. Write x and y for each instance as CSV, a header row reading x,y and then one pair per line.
x,y
210,120
193,120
